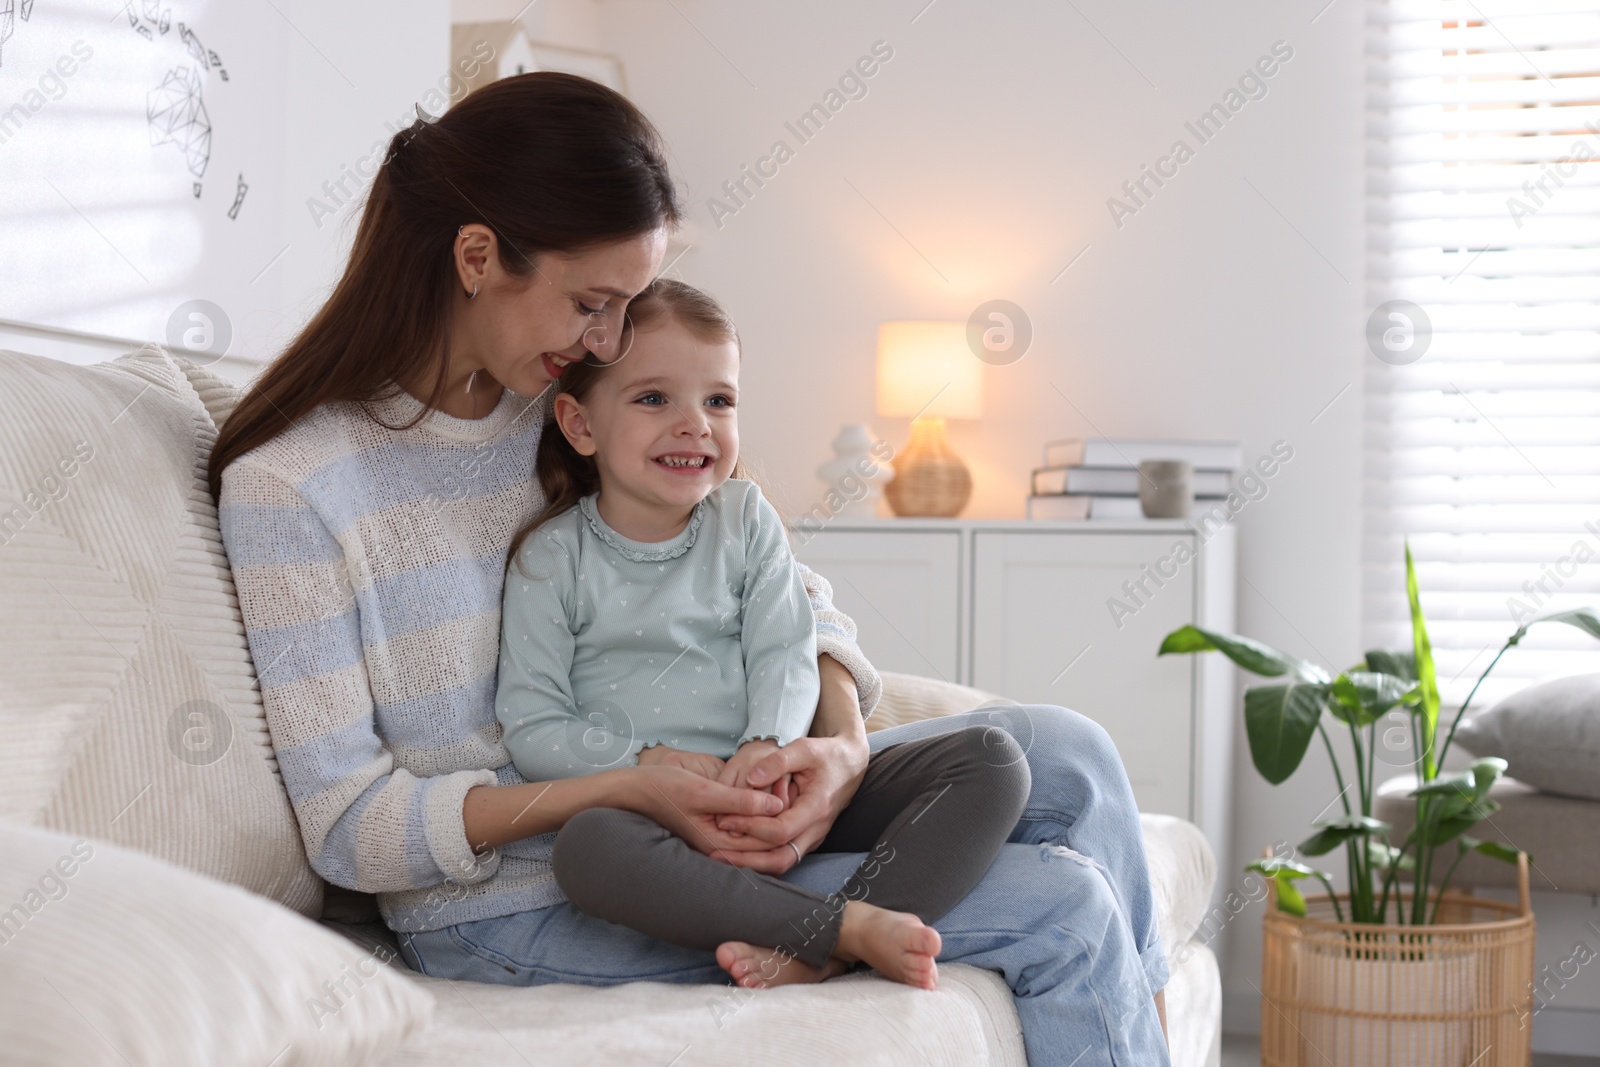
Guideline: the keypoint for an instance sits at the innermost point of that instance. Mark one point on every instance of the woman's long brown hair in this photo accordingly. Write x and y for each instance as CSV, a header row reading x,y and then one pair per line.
x,y
550,162
565,475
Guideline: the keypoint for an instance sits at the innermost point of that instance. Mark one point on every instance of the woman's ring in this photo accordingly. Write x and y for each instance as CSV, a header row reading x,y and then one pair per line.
x,y
797,856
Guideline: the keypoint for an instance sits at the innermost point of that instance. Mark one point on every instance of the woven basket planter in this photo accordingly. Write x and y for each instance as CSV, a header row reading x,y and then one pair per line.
x,y
1455,994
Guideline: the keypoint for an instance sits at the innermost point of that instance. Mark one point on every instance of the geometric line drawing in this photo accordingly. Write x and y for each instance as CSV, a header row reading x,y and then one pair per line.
x,y
176,114
8,17
238,198
192,43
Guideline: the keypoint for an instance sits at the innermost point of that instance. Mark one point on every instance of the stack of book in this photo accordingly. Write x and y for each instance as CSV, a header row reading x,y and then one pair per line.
x,y
1098,477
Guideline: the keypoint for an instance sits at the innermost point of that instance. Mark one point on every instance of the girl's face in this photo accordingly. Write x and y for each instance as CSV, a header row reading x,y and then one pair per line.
x,y
524,331
661,424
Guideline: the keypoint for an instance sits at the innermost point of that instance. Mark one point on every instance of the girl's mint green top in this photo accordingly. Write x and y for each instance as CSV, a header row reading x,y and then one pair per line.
x,y
609,645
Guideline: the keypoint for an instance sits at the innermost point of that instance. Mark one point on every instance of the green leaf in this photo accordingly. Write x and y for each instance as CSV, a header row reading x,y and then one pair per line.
x,y
1279,721
1461,784
1290,898
1335,832
1272,866
1361,698
1422,653
1401,663
1253,656
1492,849
1284,873
1473,783
1485,772
1382,854
1584,619
1460,817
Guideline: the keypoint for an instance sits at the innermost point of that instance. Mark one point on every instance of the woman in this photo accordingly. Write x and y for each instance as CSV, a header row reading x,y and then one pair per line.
x,y
369,484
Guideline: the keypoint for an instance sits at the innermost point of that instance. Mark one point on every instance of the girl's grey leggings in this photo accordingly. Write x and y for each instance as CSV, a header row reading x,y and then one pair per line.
x,y
931,814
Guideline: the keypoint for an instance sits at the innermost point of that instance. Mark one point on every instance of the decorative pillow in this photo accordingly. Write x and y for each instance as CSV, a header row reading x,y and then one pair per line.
x,y
1548,734
912,698
129,709
112,957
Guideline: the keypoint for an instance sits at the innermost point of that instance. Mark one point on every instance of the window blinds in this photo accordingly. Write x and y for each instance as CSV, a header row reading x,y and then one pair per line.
x,y
1483,209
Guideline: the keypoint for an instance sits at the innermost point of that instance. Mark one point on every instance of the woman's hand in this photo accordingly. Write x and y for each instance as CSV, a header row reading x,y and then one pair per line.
x,y
701,763
826,770
689,804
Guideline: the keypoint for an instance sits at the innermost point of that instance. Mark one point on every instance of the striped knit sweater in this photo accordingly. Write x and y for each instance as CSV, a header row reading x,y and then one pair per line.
x,y
370,565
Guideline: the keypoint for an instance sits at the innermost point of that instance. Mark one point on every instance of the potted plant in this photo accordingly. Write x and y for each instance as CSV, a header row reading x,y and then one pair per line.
x,y
1398,969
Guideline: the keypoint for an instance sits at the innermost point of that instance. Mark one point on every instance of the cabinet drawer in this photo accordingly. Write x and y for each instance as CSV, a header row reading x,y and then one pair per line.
x,y
902,588
1043,633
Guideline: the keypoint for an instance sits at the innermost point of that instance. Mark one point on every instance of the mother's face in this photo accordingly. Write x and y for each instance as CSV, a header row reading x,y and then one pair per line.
x,y
523,331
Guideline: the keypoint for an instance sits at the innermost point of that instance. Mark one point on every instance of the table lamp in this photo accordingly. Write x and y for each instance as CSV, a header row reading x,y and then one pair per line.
x,y
926,372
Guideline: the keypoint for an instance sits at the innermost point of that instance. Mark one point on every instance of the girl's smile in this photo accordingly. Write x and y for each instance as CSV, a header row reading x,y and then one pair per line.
x,y
661,427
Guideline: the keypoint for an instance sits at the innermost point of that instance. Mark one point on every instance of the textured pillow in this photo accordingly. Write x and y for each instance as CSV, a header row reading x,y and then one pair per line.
x,y
112,957
912,698
1548,734
129,709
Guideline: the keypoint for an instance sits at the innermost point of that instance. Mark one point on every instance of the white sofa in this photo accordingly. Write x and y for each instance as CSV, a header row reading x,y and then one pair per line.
x,y
160,906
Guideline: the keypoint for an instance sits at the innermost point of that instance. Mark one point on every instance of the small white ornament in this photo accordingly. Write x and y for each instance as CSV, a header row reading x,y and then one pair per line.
x,y
855,477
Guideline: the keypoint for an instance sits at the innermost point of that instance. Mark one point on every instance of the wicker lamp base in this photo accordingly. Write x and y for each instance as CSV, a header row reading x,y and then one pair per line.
x,y
929,479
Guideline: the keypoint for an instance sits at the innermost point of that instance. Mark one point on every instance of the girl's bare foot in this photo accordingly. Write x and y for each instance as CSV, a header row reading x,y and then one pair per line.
x,y
754,967
894,943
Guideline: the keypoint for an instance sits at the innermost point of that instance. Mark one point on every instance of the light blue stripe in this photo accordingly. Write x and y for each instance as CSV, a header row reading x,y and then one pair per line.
x,y
288,654
431,595
274,534
509,775
316,765
337,860
454,713
348,487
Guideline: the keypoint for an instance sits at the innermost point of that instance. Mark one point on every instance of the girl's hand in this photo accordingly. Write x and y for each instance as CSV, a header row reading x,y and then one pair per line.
x,y
825,772
736,772
689,804
701,763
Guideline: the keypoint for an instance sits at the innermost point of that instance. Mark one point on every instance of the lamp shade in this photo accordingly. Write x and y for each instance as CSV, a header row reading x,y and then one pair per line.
x,y
919,362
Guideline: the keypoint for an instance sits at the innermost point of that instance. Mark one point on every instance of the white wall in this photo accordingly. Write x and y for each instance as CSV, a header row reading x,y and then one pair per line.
x,y
984,152
100,231
354,78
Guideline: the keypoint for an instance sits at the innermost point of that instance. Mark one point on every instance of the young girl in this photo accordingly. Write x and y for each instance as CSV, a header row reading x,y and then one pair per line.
x,y
653,613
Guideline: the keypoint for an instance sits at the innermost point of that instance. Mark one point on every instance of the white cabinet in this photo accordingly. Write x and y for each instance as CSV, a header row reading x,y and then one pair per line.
x,y
903,591
1059,613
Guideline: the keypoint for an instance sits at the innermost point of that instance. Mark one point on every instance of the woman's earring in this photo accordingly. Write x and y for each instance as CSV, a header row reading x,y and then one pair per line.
x,y
474,291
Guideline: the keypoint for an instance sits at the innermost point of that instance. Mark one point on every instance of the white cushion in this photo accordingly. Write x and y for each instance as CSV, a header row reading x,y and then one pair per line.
x,y
129,709
1183,872
967,1022
111,957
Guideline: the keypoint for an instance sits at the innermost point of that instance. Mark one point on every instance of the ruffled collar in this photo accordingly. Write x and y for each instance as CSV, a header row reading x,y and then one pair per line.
x,y
643,551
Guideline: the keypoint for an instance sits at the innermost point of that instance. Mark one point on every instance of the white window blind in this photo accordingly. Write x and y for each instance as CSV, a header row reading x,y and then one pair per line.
x,y
1483,208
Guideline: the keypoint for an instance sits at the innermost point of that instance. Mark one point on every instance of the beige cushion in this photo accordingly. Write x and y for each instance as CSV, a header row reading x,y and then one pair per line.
x,y
1562,834
112,957
128,703
911,698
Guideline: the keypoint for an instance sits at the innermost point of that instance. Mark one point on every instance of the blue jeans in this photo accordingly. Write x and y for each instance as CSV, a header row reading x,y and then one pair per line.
x,y
1074,937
